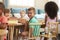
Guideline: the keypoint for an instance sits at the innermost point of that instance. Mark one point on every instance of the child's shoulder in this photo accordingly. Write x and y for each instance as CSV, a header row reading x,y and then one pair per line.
x,y
34,20
3,17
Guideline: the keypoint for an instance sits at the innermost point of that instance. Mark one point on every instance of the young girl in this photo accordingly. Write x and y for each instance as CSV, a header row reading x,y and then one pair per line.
x,y
7,13
24,15
51,10
24,20
3,19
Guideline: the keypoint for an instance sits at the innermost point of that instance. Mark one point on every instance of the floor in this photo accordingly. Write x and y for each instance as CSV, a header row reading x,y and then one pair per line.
x,y
36,39
58,38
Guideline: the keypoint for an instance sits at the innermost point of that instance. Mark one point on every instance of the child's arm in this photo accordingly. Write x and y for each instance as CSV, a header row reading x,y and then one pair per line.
x,y
24,22
31,28
56,18
3,24
45,19
26,26
30,32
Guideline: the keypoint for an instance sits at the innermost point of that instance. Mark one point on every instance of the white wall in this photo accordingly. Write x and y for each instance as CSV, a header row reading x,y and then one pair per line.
x,y
1,0
40,3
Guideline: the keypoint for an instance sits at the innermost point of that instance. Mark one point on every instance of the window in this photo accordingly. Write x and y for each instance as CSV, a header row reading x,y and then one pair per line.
x,y
21,3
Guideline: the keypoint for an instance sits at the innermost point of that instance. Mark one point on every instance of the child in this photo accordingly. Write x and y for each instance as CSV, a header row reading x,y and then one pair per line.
x,y
23,19
51,10
33,29
24,15
7,13
3,19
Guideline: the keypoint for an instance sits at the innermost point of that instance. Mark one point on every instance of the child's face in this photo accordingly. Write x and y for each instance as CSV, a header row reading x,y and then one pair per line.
x,y
7,14
31,13
22,14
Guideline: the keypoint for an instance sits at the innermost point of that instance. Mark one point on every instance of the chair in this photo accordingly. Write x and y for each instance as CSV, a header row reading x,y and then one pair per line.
x,y
52,30
33,38
2,33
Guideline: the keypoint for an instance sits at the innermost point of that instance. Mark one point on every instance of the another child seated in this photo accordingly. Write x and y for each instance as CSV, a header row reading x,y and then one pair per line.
x,y
51,10
3,19
7,13
24,20
34,30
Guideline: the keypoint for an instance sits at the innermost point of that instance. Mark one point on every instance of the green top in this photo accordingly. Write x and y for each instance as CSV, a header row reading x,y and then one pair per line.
x,y
36,28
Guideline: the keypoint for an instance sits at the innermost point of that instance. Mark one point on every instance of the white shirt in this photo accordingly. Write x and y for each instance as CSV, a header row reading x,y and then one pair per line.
x,y
26,17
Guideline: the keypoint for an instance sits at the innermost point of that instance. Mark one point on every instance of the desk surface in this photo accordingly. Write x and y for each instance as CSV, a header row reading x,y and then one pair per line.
x,y
14,24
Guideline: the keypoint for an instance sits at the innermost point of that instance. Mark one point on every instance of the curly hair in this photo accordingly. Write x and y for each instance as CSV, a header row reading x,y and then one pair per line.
x,y
51,9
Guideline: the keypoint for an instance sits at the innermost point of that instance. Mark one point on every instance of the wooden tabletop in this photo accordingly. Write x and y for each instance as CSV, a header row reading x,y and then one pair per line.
x,y
14,24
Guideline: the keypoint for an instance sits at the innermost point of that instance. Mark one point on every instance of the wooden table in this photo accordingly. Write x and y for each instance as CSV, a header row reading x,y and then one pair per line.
x,y
11,30
2,33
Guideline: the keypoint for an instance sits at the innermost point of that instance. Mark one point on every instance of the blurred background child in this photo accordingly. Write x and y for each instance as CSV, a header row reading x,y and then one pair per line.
x,y
24,15
24,20
51,10
7,13
33,29
3,19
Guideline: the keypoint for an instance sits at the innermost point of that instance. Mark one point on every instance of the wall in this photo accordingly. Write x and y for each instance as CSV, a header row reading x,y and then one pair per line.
x,y
1,0
40,3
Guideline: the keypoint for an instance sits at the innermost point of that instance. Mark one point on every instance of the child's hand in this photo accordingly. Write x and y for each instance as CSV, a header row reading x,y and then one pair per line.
x,y
25,33
22,21
2,26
